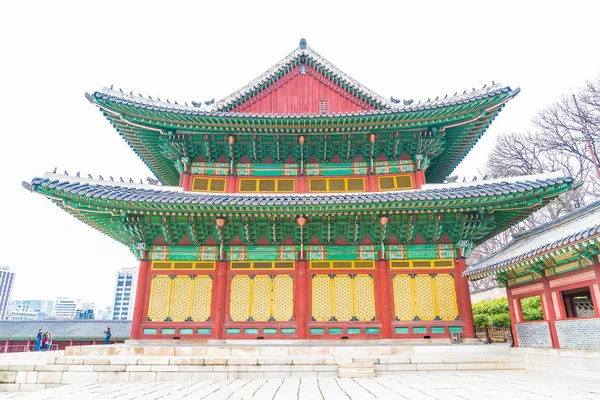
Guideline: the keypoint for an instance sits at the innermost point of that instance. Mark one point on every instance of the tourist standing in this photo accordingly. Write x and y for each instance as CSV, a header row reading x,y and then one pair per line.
x,y
49,344
107,335
44,340
38,340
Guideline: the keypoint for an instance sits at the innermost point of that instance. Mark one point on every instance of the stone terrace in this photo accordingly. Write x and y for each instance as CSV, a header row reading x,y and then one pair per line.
x,y
245,360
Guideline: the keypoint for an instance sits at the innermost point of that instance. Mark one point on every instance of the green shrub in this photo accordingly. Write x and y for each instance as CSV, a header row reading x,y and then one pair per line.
x,y
491,313
495,312
532,308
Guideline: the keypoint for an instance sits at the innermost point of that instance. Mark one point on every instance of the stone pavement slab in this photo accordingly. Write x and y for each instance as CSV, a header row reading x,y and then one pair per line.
x,y
414,385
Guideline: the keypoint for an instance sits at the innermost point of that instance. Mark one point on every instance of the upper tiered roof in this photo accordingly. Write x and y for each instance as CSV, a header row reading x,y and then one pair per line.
x,y
453,123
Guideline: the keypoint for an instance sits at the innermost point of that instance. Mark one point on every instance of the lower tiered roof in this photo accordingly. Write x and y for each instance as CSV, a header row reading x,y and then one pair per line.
x,y
575,235
132,213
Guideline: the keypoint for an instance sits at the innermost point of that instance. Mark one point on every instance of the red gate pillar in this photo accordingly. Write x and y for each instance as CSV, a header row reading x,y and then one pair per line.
x,y
141,297
515,314
382,298
218,300
549,315
463,298
301,298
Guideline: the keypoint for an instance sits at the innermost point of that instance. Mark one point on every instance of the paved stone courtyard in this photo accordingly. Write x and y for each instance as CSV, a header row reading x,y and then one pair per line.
x,y
442,385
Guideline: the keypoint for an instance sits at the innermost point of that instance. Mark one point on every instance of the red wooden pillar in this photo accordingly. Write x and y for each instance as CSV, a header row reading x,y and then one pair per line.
x,y
142,295
548,309
419,178
218,300
595,287
514,308
382,299
463,298
301,298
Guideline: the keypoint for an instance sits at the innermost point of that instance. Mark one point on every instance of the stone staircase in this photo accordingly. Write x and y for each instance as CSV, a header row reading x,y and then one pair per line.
x,y
245,360
356,370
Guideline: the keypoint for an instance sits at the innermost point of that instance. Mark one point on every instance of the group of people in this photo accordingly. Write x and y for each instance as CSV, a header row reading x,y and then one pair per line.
x,y
43,341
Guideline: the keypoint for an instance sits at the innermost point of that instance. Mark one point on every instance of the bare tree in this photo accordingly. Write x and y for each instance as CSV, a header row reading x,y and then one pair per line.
x,y
567,139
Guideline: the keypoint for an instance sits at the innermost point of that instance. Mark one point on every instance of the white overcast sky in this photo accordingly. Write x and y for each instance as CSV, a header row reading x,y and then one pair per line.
x,y
52,52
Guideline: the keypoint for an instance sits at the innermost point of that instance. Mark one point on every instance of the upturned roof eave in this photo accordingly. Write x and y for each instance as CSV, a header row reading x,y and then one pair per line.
x,y
494,262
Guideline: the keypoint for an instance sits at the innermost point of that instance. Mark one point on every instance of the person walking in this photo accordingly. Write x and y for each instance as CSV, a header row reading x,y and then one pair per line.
x,y
38,340
107,335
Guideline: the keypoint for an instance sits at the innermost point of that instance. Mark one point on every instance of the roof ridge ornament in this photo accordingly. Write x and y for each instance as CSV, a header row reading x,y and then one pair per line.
x,y
303,44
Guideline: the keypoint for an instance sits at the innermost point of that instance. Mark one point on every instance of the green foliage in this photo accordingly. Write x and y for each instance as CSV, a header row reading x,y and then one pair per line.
x,y
491,313
495,312
532,308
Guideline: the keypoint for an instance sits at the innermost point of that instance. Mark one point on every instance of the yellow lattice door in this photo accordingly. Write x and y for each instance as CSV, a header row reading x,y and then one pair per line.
x,y
202,298
261,298
180,299
321,298
425,308
403,298
283,298
160,292
239,304
446,297
342,298
364,298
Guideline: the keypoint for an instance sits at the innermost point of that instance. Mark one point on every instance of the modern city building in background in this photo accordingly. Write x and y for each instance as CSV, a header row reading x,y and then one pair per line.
x,y
42,308
7,279
66,307
125,286
20,312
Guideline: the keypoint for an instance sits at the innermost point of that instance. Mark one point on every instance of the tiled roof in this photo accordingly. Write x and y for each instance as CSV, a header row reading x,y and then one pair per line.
x,y
440,192
579,225
64,330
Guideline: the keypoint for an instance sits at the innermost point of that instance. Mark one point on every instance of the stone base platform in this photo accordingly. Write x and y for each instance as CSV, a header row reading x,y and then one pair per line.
x,y
246,360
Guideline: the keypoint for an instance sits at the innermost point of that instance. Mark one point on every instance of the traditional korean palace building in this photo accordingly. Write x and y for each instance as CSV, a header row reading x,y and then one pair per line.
x,y
303,205
558,262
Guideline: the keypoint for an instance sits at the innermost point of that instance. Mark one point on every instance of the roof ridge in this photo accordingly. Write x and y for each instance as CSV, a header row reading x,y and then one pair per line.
x,y
570,216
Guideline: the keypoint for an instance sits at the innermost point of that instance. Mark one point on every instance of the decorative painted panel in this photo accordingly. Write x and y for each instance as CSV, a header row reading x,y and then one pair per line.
x,y
446,297
424,297
534,334
343,297
321,298
424,292
239,308
283,297
581,334
403,297
202,299
160,292
180,298
261,298
364,298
